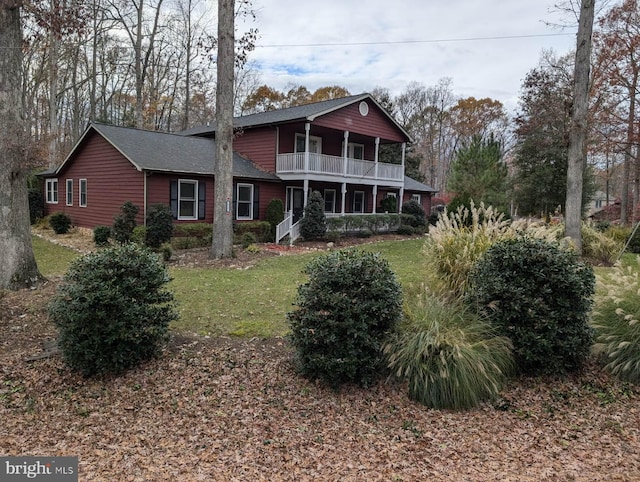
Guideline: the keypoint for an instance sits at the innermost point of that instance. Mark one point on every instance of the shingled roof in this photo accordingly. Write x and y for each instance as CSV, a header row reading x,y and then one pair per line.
x,y
307,112
159,151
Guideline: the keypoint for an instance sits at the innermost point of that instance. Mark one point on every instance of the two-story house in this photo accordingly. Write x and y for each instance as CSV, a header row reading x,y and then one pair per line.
x,y
332,146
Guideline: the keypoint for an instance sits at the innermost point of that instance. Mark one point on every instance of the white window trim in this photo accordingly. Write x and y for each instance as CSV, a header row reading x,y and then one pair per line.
x,y
417,198
52,191
354,202
311,138
392,194
333,207
83,182
69,192
194,199
250,202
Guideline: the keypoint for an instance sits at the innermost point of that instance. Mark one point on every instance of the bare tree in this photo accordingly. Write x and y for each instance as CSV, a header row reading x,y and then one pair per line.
x,y
578,133
222,244
18,263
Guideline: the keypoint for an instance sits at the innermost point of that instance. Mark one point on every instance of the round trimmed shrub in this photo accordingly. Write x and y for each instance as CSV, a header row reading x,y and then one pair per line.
x,y
539,296
346,310
60,223
159,225
101,235
413,208
248,239
112,310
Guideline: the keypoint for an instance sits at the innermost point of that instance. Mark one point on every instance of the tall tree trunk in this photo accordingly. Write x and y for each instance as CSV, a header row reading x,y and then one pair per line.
x,y
628,154
54,44
222,244
578,132
18,267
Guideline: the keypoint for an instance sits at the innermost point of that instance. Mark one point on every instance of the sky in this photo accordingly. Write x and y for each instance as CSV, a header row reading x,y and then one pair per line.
x,y
485,47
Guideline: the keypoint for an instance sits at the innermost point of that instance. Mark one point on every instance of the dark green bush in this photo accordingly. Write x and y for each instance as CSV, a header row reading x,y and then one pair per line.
x,y
260,229
346,310
313,225
248,239
101,235
274,216
159,225
413,208
539,296
112,310
405,229
193,230
36,205
60,223
139,235
125,223
389,205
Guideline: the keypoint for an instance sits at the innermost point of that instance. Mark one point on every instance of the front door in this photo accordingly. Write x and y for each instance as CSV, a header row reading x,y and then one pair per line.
x,y
295,202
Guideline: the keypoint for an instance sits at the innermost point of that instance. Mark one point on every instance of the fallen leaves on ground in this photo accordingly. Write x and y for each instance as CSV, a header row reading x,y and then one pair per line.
x,y
236,410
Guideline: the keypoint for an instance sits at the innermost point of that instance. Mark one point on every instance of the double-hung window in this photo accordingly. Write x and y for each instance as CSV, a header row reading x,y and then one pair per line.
x,y
52,191
187,199
417,198
69,192
358,202
329,200
244,201
83,193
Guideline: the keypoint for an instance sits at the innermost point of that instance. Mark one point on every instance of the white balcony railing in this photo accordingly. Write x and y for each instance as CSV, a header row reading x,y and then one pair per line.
x,y
294,163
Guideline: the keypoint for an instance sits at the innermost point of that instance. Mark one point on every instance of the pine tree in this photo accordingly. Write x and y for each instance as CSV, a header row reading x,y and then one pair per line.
x,y
313,225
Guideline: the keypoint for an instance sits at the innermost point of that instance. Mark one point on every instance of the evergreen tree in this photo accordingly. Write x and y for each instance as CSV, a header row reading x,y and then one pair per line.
x,y
541,152
314,224
479,173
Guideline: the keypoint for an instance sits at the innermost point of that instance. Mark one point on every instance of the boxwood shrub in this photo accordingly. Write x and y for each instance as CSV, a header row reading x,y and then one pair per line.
x,y
346,310
539,296
60,223
112,310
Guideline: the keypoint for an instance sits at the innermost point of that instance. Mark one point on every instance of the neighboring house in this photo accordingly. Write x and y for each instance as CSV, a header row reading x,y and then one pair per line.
x,y
599,202
329,146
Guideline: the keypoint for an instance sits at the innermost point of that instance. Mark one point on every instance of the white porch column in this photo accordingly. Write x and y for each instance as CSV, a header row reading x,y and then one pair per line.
x,y
377,154
344,198
375,198
306,191
307,128
399,203
345,152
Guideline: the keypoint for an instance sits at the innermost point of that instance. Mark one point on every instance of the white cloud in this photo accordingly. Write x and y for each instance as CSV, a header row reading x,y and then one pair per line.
x,y
482,68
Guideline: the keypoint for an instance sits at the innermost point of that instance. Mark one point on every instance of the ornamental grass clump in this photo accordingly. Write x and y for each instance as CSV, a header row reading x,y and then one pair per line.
x,y
113,310
345,312
616,320
450,357
456,242
539,296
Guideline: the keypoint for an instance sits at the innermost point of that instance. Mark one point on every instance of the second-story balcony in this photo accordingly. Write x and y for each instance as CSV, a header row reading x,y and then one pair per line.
x,y
338,169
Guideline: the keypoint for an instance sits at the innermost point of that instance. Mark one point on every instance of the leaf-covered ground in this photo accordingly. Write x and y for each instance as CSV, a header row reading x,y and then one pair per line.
x,y
234,409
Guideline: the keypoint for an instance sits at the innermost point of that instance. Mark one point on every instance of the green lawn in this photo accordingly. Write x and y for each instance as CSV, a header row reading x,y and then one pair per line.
x,y
244,302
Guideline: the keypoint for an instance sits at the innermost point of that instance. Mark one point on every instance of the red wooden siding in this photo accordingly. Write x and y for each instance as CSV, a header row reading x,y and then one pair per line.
x,y
159,186
111,180
374,124
259,145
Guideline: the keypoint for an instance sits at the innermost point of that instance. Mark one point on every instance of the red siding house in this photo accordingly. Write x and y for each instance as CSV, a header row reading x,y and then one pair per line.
x,y
331,146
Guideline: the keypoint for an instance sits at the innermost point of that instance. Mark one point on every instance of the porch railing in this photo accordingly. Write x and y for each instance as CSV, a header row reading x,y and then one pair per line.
x,y
294,163
287,226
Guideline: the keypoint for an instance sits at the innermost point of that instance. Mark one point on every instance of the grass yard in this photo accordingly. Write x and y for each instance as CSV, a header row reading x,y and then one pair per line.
x,y
251,301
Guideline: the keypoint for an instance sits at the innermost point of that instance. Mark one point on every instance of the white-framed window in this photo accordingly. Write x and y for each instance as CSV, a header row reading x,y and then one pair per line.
x,y
417,198
69,192
315,143
358,202
52,191
82,192
329,200
355,151
244,201
187,199
392,194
